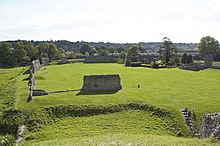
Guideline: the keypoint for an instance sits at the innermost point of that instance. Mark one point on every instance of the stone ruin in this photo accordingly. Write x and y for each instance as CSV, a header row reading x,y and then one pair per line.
x,y
101,83
63,59
193,67
100,59
35,66
208,61
210,126
31,85
44,61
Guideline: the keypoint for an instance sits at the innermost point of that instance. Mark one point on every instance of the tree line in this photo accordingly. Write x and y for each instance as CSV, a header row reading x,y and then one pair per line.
x,y
21,53
24,52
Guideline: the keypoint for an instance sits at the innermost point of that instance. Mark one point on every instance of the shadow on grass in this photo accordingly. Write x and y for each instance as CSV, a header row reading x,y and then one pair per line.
x,y
26,72
95,93
43,93
54,92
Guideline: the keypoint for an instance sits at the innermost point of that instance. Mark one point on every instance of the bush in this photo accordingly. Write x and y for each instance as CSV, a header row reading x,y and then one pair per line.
x,y
120,61
135,64
154,65
7,140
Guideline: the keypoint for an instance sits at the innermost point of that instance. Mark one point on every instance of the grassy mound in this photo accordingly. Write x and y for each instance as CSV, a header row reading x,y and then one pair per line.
x,y
122,122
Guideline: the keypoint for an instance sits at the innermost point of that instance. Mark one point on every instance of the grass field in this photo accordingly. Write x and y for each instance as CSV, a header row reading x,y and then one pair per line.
x,y
172,89
168,90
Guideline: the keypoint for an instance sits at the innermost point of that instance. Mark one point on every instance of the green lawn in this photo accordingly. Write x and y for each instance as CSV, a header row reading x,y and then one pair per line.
x,y
172,89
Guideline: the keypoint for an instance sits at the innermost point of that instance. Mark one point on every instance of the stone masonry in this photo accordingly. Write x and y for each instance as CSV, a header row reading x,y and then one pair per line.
x,y
35,66
210,126
101,83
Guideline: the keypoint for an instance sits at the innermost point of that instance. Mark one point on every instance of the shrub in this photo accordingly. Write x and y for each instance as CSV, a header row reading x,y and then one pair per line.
x,y
7,140
154,65
135,64
120,61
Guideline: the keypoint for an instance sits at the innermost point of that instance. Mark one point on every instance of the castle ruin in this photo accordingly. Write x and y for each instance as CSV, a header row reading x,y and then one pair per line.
x,y
101,83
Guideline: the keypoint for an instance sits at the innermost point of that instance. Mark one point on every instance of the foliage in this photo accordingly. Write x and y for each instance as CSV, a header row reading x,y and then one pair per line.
x,y
48,50
23,52
93,51
120,60
208,45
186,59
133,51
167,50
154,65
85,48
158,64
102,52
7,140
189,59
6,55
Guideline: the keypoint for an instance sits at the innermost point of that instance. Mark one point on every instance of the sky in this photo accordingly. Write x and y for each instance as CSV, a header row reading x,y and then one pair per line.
x,y
119,21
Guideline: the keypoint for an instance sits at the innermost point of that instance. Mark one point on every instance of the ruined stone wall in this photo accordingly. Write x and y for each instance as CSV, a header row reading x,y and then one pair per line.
x,y
100,59
44,61
35,66
101,83
210,126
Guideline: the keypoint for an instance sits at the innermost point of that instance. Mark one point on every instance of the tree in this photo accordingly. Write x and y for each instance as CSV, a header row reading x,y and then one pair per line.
x,y
102,52
208,45
32,52
52,51
93,51
168,50
20,55
133,51
184,58
189,59
133,54
85,48
47,50
6,52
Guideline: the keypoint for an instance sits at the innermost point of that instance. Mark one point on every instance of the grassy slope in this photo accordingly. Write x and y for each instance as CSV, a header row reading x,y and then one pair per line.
x,y
135,122
8,87
8,74
123,128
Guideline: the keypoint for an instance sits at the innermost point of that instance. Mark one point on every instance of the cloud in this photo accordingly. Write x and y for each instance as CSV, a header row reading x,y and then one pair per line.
x,y
113,20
